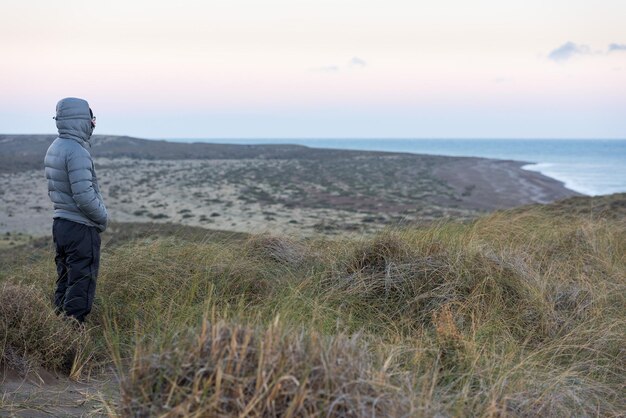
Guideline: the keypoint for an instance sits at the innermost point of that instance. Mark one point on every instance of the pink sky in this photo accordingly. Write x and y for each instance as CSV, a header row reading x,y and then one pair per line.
x,y
319,68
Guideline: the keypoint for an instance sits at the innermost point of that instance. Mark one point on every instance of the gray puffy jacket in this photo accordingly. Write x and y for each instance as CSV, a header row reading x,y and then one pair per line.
x,y
72,183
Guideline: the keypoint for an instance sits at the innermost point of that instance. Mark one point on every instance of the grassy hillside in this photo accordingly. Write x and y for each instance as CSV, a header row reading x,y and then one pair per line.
x,y
519,313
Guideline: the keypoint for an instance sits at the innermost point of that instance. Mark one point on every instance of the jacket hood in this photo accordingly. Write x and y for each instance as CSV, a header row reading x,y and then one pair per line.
x,y
74,119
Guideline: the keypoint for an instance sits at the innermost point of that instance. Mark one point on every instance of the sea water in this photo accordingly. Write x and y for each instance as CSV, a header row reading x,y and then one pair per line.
x,y
588,166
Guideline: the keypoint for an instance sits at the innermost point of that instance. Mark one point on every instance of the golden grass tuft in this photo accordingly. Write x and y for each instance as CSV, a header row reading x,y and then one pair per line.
x,y
231,370
33,336
282,250
375,255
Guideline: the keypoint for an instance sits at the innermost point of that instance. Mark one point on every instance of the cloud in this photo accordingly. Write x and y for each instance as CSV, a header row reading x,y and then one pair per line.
x,y
354,62
570,49
617,47
357,62
567,51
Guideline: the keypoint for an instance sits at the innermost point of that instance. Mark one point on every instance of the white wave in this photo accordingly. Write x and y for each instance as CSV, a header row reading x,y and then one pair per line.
x,y
589,179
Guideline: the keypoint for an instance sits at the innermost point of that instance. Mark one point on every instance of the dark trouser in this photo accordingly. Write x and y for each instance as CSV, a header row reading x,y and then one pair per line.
x,y
77,259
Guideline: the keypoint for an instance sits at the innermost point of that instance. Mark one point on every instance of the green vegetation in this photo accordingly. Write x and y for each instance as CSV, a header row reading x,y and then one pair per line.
x,y
519,313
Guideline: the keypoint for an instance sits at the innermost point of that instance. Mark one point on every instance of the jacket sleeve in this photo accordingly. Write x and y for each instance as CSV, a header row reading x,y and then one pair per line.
x,y
80,174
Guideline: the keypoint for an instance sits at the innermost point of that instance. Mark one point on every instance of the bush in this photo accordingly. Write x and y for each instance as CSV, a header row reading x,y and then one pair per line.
x,y
281,250
33,335
230,370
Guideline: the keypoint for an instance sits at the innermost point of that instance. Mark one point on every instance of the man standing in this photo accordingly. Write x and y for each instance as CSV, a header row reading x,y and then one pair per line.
x,y
79,211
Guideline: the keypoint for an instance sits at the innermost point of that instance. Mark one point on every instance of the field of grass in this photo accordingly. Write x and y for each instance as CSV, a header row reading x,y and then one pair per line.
x,y
519,313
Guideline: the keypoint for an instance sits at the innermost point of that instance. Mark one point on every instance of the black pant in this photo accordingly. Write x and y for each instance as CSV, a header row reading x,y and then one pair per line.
x,y
77,259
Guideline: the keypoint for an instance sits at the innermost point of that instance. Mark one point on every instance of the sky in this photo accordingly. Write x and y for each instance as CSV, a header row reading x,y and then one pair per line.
x,y
319,68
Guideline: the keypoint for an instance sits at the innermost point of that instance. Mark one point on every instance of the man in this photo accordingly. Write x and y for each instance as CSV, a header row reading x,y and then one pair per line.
x,y
79,211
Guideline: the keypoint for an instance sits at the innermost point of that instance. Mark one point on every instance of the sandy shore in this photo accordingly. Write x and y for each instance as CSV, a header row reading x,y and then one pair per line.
x,y
500,183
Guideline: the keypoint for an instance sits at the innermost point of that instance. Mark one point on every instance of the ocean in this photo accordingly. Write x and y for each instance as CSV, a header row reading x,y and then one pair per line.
x,y
588,166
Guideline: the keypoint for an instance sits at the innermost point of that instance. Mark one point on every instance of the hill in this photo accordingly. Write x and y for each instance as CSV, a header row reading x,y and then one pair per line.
x,y
255,188
518,313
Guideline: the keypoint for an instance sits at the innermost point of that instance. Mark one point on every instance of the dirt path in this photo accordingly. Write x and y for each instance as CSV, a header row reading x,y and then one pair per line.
x,y
44,394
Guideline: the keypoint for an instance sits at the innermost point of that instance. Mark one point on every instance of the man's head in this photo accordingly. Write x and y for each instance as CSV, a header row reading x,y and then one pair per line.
x,y
75,119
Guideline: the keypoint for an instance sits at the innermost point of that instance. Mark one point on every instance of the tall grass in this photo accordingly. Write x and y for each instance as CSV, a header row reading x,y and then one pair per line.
x,y
519,313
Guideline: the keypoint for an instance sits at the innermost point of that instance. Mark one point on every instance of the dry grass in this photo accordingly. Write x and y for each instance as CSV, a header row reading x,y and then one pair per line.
x,y
33,336
230,370
520,313
282,250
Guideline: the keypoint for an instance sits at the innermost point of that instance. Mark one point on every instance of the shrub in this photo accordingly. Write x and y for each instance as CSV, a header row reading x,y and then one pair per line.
x,y
281,250
33,335
230,370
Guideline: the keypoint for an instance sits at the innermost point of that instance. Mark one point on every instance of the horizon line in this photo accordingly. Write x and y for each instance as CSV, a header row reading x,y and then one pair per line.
x,y
351,138
348,138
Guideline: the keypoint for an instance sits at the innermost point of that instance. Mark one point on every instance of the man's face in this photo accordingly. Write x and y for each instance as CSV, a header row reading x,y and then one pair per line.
x,y
93,118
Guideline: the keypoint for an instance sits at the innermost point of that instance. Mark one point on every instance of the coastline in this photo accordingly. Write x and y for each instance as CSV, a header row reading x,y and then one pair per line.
x,y
547,170
588,166
280,188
